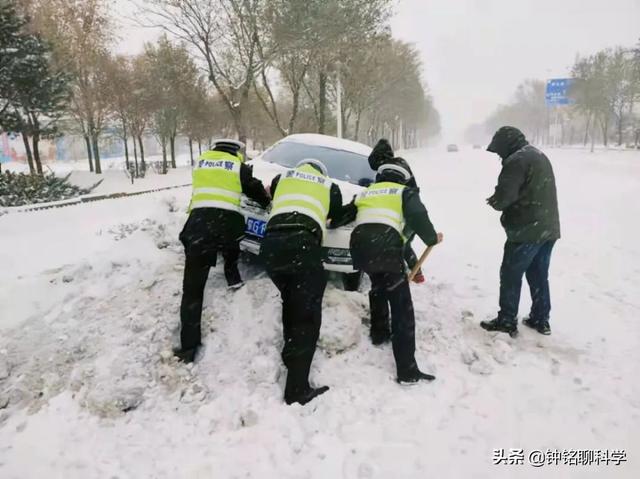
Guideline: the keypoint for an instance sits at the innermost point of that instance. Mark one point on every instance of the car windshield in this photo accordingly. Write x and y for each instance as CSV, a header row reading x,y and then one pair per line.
x,y
341,165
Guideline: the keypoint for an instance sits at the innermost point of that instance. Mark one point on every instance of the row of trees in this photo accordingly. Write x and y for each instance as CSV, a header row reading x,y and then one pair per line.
x,y
258,69
606,89
605,94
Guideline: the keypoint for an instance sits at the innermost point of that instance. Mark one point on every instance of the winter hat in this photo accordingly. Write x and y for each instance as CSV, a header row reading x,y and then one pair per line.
x,y
506,141
317,164
228,145
382,153
394,173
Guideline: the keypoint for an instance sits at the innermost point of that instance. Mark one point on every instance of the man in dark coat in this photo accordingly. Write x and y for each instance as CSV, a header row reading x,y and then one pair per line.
x,y
378,247
215,224
526,196
381,154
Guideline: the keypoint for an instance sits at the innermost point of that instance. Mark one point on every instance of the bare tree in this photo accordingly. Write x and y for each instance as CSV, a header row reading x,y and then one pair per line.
x,y
81,31
140,108
225,35
119,92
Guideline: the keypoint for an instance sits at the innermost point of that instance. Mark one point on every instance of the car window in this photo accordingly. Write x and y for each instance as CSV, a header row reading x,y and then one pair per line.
x,y
341,165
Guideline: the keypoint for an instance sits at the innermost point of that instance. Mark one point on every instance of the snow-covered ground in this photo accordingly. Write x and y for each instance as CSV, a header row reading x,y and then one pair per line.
x,y
114,176
89,312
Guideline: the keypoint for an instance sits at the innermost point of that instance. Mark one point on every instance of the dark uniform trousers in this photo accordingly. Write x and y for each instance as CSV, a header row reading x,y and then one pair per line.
x,y
301,294
390,290
196,272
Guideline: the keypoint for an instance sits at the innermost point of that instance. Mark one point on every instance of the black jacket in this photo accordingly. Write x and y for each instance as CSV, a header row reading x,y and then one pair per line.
x,y
293,241
210,229
380,248
526,190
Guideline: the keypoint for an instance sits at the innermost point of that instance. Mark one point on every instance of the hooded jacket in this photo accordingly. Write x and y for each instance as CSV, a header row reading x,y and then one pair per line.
x,y
382,154
526,189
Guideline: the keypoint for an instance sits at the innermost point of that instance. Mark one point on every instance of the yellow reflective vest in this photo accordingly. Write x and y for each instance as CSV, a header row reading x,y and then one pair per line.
x,y
304,190
381,203
216,181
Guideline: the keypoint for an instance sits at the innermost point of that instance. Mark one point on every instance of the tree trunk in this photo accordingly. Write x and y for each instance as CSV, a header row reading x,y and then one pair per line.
x,y
586,130
356,132
27,149
199,146
172,144
143,164
605,132
163,142
322,101
87,142
126,146
620,127
135,157
96,153
294,111
191,150
35,139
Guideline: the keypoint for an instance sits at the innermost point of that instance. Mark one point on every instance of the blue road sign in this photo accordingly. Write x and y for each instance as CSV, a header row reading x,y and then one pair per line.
x,y
557,92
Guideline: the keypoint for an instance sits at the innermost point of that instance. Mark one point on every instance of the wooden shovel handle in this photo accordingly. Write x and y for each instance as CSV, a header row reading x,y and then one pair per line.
x,y
420,262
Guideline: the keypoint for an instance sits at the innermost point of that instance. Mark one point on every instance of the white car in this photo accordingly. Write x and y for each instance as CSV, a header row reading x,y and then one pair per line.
x,y
348,166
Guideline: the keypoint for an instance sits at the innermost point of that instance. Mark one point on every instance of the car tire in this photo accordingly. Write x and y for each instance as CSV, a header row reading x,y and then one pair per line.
x,y
351,281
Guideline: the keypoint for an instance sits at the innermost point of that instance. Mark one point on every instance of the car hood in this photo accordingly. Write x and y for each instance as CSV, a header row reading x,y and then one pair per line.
x,y
266,172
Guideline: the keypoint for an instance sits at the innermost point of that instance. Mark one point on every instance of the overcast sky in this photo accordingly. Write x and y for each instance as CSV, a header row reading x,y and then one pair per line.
x,y
475,52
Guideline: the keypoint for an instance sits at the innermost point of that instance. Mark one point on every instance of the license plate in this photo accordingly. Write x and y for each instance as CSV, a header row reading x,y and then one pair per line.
x,y
256,227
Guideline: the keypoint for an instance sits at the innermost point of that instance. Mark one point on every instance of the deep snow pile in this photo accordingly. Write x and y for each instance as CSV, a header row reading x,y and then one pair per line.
x,y
89,314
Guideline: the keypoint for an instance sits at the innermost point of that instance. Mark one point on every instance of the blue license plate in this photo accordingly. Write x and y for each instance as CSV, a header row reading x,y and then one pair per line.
x,y
256,227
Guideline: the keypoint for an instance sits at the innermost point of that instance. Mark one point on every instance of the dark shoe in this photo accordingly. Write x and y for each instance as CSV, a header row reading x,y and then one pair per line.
x,y
541,326
186,355
501,325
413,377
305,396
235,286
379,337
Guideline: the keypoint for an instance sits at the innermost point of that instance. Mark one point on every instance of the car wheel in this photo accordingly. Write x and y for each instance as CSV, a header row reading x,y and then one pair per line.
x,y
351,281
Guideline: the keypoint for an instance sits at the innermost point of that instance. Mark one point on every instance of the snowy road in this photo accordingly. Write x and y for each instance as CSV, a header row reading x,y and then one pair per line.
x,y
88,313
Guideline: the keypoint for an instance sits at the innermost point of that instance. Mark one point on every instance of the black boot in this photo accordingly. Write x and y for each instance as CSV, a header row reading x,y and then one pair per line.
x,y
232,275
413,376
502,325
297,388
380,336
304,396
186,355
541,326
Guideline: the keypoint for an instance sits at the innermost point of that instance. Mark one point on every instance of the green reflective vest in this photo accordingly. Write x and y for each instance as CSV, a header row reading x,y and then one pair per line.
x,y
216,181
304,190
381,203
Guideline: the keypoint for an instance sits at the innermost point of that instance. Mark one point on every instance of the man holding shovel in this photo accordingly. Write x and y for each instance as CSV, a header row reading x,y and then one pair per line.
x,y
381,154
377,248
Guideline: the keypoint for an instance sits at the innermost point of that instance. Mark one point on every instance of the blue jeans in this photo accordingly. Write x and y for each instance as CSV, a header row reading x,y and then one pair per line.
x,y
532,259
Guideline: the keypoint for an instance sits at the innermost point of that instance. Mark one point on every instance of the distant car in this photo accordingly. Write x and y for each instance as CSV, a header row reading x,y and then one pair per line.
x,y
348,166
452,148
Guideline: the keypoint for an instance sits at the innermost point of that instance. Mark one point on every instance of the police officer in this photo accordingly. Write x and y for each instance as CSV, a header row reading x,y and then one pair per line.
x,y
303,199
381,154
377,246
214,224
